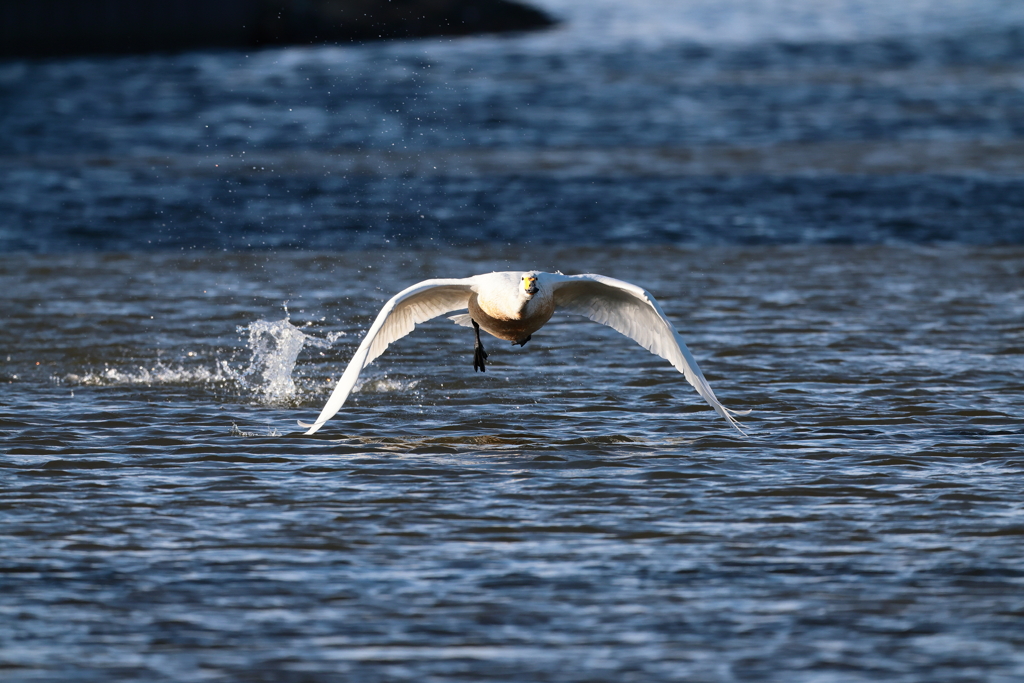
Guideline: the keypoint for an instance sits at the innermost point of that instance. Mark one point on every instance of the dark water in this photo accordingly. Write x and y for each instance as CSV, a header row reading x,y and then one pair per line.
x,y
833,125
828,202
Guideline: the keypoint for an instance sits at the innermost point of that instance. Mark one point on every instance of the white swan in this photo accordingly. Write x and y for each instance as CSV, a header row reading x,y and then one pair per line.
x,y
514,305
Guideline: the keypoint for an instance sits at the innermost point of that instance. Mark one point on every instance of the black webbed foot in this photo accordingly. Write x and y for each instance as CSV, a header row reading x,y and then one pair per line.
x,y
522,342
479,355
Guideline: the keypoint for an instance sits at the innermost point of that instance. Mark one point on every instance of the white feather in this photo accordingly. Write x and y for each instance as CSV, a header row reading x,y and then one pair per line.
x,y
464,319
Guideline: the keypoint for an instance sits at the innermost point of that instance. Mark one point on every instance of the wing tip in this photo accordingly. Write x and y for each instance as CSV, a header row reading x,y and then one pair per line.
x,y
728,414
312,428
736,425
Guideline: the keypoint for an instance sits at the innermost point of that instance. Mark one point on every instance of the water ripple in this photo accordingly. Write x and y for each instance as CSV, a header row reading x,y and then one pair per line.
x,y
576,513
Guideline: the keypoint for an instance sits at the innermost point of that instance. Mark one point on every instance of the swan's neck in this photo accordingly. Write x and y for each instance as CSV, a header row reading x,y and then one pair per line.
x,y
524,304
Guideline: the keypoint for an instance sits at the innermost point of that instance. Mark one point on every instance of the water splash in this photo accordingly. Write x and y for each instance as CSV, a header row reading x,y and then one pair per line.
x,y
275,347
159,374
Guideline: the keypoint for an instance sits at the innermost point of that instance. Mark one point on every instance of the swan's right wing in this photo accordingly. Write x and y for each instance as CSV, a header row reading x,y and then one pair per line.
x,y
634,312
399,317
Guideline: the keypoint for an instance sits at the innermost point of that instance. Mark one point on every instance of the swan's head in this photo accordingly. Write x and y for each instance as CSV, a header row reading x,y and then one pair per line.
x,y
529,285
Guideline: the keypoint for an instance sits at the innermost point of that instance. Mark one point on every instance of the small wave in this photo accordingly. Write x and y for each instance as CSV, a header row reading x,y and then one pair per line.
x,y
384,385
270,432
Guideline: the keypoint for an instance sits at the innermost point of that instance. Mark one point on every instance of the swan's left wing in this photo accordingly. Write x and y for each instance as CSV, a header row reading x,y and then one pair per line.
x,y
632,311
399,317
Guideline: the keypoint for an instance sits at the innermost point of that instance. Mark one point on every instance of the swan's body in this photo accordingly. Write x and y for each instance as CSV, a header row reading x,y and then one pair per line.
x,y
514,305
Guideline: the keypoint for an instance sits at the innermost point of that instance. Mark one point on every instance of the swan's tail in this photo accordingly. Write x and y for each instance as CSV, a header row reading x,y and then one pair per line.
x,y
464,319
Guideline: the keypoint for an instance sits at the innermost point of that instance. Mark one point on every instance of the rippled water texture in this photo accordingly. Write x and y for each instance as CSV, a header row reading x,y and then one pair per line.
x,y
576,513
827,199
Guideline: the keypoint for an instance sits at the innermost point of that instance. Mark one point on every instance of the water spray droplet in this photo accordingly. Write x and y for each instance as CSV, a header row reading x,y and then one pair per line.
x,y
275,349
